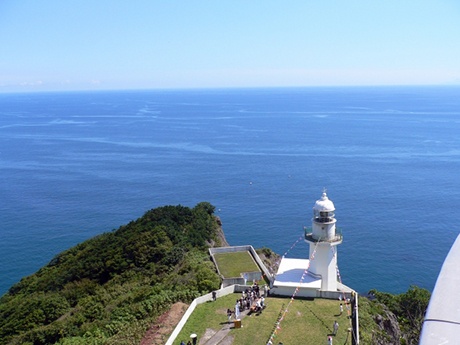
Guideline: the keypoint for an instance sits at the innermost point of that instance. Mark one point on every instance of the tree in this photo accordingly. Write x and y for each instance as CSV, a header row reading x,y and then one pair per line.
x,y
413,305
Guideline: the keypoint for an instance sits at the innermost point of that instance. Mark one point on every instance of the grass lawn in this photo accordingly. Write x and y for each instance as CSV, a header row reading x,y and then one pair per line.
x,y
306,322
232,264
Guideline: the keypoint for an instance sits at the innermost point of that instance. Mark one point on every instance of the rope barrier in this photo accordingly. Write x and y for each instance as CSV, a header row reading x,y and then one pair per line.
x,y
321,320
276,326
277,263
292,247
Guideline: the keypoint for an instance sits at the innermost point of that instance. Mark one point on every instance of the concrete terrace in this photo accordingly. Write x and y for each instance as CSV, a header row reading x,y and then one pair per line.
x,y
290,273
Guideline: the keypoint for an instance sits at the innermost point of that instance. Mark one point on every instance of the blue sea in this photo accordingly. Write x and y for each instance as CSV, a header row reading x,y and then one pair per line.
x,y
76,164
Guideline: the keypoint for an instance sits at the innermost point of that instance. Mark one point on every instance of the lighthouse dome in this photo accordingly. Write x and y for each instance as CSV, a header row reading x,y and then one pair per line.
x,y
324,204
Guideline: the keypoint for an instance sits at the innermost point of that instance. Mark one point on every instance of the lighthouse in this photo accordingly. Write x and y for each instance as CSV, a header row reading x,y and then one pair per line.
x,y
323,239
315,276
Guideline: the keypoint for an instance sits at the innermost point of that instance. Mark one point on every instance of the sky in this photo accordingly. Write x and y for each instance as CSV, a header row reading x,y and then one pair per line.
x,y
60,45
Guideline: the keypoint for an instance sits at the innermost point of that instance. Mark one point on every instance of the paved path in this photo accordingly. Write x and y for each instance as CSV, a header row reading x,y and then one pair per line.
x,y
222,337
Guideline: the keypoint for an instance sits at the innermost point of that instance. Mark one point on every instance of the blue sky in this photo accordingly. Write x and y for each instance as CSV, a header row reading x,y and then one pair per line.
x,y
100,44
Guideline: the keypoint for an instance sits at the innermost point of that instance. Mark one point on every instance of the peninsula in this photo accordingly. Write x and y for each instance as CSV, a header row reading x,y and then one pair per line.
x,y
113,288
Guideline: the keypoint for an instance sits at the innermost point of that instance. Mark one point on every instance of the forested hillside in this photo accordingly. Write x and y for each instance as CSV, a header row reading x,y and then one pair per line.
x,y
108,289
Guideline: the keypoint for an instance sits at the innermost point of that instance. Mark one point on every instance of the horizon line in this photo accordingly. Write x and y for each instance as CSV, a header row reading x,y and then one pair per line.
x,y
197,88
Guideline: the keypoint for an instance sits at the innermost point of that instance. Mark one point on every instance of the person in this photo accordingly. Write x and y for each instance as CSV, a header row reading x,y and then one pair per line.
x,y
257,290
214,296
229,315
194,338
182,343
329,340
237,311
258,305
189,342
341,308
336,327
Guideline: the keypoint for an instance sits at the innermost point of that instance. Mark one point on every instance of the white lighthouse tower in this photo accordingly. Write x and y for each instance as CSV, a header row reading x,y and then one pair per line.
x,y
317,275
323,239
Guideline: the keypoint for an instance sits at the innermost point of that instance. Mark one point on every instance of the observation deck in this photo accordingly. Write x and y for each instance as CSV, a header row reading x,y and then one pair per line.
x,y
337,239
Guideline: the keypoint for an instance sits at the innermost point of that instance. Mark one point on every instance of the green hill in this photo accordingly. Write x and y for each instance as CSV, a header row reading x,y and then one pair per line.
x,y
109,289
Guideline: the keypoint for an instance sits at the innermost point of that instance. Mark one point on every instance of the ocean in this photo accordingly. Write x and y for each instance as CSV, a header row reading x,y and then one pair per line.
x,y
76,164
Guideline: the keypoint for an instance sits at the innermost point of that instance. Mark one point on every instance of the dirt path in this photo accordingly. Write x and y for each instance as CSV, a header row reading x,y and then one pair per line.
x,y
159,332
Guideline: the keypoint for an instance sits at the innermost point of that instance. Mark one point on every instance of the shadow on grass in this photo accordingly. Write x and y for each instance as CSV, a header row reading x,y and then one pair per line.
x,y
226,323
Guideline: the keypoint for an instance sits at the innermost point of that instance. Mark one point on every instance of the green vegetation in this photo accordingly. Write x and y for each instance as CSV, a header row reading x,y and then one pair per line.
x,y
109,289
231,265
409,309
306,322
368,328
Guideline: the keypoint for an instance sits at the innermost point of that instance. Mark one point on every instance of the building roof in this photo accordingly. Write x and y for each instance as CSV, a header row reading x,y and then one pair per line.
x,y
290,272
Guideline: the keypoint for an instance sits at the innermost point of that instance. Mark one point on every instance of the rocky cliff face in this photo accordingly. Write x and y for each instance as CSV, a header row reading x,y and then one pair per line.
x,y
390,331
270,259
220,240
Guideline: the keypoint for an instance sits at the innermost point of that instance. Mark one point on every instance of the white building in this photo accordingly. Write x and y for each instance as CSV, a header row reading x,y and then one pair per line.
x,y
316,276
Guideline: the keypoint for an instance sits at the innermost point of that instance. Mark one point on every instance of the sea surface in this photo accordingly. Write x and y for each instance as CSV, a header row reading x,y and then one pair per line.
x,y
76,164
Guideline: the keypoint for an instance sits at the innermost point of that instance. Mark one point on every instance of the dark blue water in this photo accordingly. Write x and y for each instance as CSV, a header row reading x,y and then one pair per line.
x,y
74,165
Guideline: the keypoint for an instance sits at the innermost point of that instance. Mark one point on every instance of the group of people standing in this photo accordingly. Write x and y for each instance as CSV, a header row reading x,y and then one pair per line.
x,y
251,299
